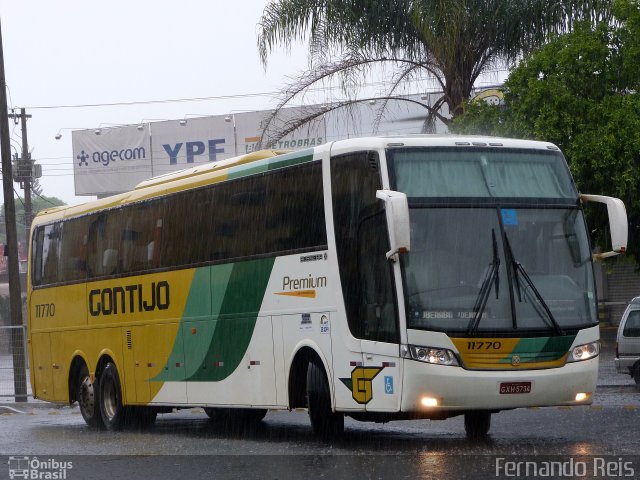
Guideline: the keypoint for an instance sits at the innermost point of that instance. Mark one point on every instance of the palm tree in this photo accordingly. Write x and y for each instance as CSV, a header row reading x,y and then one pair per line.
x,y
453,41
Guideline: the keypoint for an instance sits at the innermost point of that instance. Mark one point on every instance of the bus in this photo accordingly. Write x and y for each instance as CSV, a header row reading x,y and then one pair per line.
x,y
414,277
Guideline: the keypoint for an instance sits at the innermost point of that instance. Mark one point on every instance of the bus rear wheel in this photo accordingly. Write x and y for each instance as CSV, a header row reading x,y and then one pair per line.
x,y
86,393
477,424
325,423
114,414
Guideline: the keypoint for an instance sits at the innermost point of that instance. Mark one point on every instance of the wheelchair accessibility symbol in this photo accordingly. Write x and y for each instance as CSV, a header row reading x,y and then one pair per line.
x,y
388,385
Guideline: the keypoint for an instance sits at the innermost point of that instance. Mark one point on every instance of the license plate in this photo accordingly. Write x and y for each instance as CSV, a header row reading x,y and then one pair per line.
x,y
515,387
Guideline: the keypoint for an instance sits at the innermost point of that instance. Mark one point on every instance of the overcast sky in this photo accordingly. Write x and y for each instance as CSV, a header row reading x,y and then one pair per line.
x,y
68,52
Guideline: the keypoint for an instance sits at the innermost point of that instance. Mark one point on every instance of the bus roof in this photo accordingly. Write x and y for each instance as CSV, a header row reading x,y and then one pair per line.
x,y
200,175
440,140
263,160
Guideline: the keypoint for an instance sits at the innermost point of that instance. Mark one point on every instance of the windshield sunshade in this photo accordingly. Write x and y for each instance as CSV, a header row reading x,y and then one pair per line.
x,y
464,172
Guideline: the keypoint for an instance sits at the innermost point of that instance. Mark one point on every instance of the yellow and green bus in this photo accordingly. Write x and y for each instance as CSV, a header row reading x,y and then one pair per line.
x,y
376,278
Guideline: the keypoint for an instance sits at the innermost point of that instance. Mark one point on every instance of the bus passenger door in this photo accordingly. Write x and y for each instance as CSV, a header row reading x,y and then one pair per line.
x,y
362,240
378,313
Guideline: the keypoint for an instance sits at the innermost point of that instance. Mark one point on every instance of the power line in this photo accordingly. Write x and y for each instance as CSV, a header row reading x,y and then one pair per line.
x,y
275,94
149,102
44,198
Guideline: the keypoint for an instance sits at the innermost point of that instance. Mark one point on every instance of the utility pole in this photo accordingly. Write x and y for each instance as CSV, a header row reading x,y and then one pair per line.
x,y
24,167
17,337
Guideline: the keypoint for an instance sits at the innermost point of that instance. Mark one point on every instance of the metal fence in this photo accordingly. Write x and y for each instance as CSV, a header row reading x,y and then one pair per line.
x,y
7,372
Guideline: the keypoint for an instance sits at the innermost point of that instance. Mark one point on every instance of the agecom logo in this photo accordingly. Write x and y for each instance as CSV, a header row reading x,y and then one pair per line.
x,y
105,157
37,469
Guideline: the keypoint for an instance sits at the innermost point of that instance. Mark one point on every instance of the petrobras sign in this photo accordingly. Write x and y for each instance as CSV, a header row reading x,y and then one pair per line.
x,y
186,143
110,160
249,125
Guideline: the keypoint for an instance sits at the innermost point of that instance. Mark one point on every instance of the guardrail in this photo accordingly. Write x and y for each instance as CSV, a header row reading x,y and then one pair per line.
x,y
7,372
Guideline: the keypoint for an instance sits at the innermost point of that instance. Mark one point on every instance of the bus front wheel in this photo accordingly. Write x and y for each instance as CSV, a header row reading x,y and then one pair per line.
x,y
324,421
477,424
87,399
110,397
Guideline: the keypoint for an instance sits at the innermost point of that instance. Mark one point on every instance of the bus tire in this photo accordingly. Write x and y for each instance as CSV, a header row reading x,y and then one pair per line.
x,y
87,395
325,423
477,424
114,414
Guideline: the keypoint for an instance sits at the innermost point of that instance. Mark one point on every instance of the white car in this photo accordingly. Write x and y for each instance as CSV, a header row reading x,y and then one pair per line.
x,y
628,341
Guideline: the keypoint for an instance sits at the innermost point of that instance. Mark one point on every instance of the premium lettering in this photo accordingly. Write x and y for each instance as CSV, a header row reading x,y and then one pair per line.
x,y
129,299
303,283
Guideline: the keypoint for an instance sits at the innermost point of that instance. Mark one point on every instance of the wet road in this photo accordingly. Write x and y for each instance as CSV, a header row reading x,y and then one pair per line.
x,y
185,444
607,428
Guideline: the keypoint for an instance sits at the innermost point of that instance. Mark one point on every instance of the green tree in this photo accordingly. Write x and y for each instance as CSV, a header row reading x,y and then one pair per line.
x,y
452,41
581,92
38,203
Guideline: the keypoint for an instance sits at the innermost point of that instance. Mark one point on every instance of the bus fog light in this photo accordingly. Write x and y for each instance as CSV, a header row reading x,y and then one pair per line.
x,y
581,397
429,402
585,352
436,356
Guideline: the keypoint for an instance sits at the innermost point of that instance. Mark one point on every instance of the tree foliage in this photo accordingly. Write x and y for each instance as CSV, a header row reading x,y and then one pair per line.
x,y
38,203
581,92
451,41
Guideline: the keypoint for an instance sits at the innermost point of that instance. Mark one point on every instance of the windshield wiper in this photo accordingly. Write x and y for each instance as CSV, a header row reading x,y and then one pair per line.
x,y
519,270
491,277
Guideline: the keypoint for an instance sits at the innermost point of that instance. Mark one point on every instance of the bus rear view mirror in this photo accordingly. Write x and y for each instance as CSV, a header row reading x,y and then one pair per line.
x,y
397,210
618,224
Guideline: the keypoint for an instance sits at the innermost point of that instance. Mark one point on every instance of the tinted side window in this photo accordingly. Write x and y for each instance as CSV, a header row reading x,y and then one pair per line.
x,y
294,216
141,237
38,240
186,228
52,241
632,326
74,249
362,243
103,243
264,214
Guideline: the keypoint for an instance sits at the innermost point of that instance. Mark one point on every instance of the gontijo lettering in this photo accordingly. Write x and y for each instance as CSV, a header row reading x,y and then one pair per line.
x,y
129,299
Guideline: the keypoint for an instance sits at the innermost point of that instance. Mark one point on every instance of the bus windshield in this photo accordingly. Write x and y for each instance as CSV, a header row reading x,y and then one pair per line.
x,y
483,265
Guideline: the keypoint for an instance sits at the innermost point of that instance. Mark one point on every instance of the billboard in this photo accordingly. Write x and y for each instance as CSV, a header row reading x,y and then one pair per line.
x,y
110,160
116,159
249,125
180,144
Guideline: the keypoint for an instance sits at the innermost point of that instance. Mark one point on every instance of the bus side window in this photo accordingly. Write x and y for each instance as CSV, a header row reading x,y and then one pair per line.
x,y
94,245
377,306
104,243
38,240
74,249
139,237
51,253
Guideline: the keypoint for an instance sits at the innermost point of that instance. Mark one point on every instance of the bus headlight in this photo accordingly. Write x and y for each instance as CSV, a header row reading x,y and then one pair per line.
x,y
584,352
437,356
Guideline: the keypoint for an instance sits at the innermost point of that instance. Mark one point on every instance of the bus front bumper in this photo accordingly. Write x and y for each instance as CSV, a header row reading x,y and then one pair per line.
x,y
432,388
